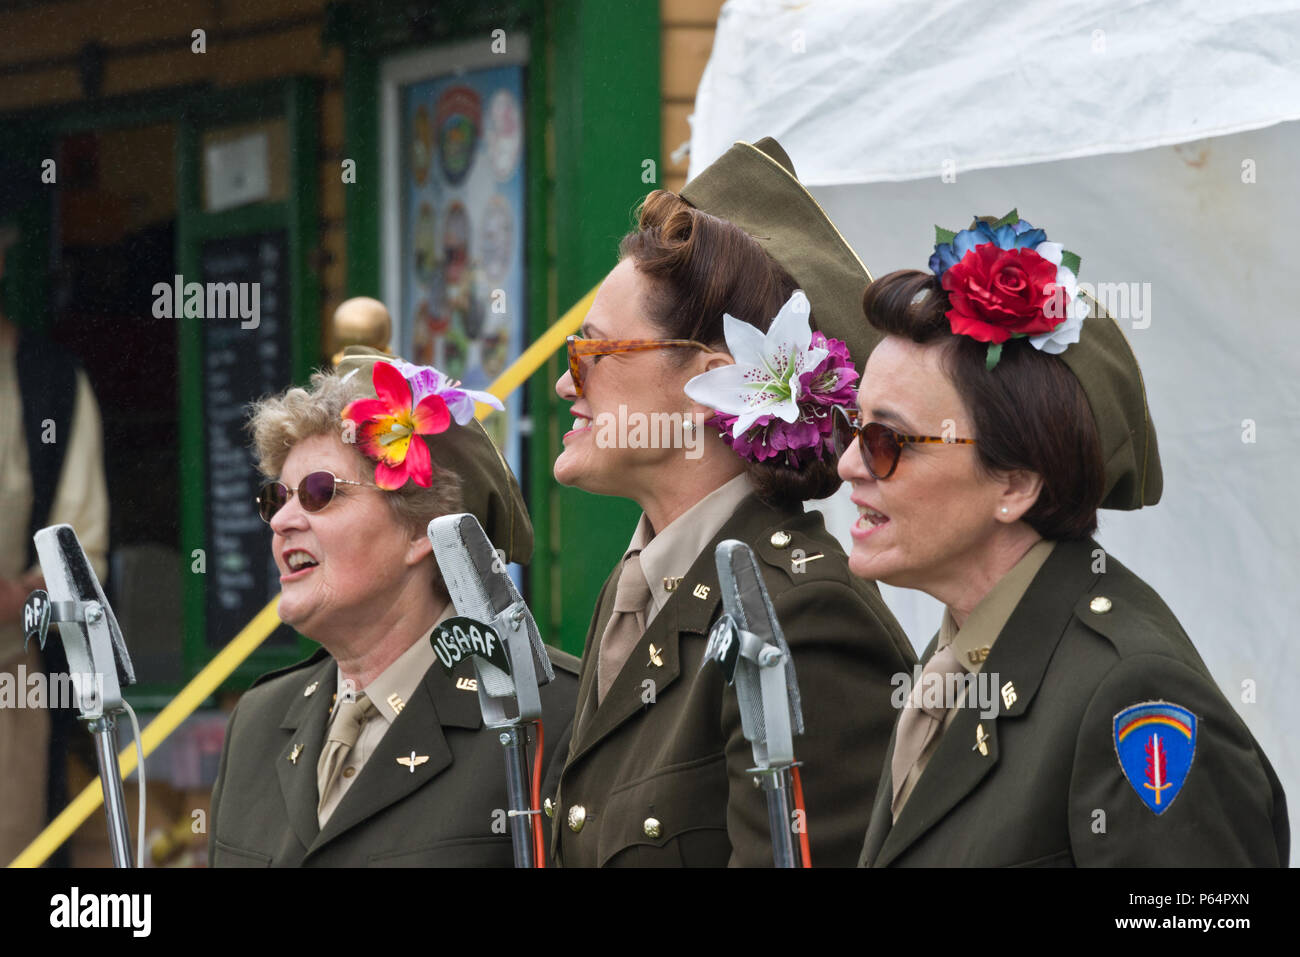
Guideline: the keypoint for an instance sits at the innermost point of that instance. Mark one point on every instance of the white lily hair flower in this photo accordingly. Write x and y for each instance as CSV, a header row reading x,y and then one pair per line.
x,y
764,380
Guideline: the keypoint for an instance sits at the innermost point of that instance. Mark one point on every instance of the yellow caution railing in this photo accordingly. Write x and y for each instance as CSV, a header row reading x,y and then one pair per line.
x,y
256,631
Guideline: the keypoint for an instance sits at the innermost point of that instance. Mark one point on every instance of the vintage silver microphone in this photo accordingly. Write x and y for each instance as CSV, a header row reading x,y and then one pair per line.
x,y
95,650
495,628
748,643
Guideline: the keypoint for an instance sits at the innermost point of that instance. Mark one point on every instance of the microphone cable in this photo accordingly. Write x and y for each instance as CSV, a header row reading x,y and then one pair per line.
x,y
139,770
535,804
804,850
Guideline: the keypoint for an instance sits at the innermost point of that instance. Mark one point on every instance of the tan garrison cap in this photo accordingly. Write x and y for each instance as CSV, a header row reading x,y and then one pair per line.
x,y
753,185
488,486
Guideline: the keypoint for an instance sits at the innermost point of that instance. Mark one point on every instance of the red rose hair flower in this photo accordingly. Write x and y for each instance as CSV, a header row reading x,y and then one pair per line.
x,y
997,293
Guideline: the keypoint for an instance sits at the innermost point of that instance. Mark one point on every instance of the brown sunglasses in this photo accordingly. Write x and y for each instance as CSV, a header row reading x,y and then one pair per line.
x,y
580,349
880,445
315,491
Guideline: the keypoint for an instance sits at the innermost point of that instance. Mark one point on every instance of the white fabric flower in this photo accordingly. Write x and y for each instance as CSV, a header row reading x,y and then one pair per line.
x,y
1076,310
764,380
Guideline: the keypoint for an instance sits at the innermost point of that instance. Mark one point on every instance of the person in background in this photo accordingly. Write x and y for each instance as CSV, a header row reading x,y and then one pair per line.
x,y
51,473
369,752
737,300
1063,716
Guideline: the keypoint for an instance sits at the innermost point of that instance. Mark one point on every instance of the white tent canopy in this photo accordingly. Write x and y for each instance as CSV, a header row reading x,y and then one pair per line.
x,y
1197,231
893,90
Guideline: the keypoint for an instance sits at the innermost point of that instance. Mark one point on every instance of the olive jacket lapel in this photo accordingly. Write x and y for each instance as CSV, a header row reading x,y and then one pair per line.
x,y
417,731
1016,663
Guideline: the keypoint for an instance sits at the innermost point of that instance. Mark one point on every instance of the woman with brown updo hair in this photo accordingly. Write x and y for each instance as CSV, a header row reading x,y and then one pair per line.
x,y
711,299
1063,716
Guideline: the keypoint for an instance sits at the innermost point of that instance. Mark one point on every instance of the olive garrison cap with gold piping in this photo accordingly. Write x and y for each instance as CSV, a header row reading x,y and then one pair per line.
x,y
753,186
488,487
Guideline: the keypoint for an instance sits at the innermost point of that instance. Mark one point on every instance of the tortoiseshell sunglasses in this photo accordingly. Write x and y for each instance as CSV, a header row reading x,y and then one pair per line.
x,y
880,445
580,349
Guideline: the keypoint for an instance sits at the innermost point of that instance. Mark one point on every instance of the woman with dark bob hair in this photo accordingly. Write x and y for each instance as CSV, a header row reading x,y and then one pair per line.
x,y
731,320
370,752
1063,716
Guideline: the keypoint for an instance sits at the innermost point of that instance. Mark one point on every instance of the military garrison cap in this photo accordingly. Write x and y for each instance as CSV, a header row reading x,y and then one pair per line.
x,y
1103,362
488,487
1105,365
753,186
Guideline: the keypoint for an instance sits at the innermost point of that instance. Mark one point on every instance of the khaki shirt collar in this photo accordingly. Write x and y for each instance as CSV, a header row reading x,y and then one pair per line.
x,y
973,641
667,556
397,683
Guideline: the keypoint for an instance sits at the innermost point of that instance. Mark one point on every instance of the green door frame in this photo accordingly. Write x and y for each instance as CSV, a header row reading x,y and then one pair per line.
x,y
589,132
43,128
32,134
295,99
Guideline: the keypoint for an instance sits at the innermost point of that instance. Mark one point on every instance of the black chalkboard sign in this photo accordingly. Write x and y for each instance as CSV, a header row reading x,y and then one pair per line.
x,y
247,351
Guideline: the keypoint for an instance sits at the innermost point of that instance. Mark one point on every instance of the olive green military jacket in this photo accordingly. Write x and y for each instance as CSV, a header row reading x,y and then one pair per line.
x,y
657,775
1046,787
447,811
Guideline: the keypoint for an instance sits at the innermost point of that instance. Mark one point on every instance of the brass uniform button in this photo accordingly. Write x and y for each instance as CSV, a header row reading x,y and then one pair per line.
x,y
577,818
549,807
348,772
780,539
651,827
1100,605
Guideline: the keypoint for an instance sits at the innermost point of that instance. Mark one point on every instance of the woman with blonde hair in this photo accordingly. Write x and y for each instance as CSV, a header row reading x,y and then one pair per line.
x,y
370,752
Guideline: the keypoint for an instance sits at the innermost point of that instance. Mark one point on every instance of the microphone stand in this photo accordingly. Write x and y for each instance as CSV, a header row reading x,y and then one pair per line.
x,y
514,740
94,704
749,645
90,639
481,590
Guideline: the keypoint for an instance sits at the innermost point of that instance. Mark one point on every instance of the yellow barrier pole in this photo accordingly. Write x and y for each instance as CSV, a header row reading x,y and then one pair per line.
x,y
167,721
540,351
256,631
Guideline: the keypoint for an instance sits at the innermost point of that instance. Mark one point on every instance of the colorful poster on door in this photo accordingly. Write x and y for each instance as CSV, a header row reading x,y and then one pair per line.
x,y
461,196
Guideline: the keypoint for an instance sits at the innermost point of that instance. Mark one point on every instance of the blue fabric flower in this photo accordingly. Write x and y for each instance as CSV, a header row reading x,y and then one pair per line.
x,y
1021,235
949,254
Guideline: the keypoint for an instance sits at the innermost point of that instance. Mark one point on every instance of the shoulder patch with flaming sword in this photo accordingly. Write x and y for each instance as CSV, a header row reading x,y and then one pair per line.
x,y
1155,742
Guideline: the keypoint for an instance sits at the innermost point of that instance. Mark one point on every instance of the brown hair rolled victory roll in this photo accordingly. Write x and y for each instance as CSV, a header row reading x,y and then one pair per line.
x,y
708,281
997,415
369,752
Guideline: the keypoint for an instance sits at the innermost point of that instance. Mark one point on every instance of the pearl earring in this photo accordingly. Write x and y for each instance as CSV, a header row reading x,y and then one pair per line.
x,y
688,424
1005,510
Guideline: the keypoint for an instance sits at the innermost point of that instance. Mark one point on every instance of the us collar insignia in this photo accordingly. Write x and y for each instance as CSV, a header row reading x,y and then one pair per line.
x,y
1155,742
